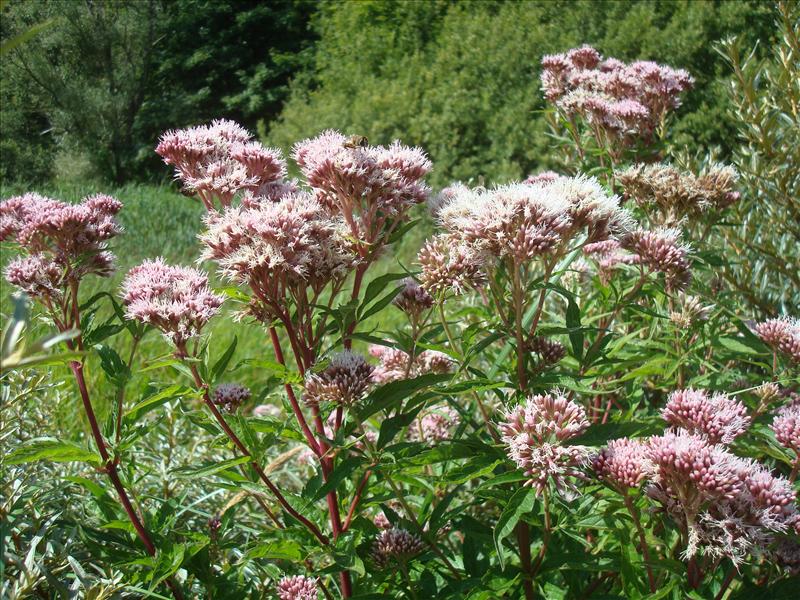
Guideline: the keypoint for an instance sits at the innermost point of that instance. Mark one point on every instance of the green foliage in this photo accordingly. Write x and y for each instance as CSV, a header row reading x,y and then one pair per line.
x,y
765,94
461,79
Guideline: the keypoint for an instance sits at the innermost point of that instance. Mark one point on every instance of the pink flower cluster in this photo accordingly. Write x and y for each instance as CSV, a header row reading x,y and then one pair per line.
x,y
534,434
230,396
365,184
718,417
786,426
627,102
548,350
219,160
64,242
782,335
344,381
517,223
279,247
436,425
729,505
623,463
395,545
661,251
176,300
297,587
396,364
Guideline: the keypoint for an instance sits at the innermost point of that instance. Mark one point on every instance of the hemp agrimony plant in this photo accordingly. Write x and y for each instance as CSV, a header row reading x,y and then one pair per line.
x,y
559,362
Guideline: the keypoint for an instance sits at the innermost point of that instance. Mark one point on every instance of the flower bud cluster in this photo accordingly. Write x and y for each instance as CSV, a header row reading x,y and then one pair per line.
x,y
718,417
297,587
344,381
230,396
534,433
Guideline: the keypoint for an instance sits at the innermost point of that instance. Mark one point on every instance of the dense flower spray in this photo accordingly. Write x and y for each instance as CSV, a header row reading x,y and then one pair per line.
x,y
64,242
176,300
435,425
516,223
297,587
370,186
534,433
622,103
718,417
219,160
786,426
782,335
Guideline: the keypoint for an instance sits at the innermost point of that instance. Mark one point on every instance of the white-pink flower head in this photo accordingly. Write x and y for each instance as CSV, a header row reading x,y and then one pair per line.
x,y
661,250
534,433
786,426
782,335
718,417
297,587
436,425
175,299
623,463
217,161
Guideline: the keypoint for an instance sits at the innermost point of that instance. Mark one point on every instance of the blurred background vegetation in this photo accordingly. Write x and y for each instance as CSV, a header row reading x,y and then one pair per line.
x,y
88,96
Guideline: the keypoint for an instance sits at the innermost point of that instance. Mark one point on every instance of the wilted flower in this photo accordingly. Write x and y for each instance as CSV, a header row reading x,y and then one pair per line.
x,y
677,194
175,299
623,463
230,396
344,381
786,426
782,335
661,251
413,299
217,161
719,417
394,364
690,310
297,587
435,425
395,545
534,433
